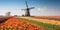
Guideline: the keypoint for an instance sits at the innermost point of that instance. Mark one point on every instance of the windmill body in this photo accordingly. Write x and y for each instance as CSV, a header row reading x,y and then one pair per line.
x,y
27,12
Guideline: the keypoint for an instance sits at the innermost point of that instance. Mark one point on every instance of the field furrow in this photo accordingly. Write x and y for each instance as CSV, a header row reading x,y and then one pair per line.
x,y
53,22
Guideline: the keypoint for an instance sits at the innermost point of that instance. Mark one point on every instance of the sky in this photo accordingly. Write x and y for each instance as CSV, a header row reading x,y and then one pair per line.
x,y
42,7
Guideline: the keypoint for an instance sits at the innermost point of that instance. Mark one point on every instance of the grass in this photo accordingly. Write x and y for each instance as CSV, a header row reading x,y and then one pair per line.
x,y
1,16
47,26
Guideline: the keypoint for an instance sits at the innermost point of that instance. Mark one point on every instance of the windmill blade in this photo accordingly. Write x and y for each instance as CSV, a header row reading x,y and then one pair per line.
x,y
32,8
26,4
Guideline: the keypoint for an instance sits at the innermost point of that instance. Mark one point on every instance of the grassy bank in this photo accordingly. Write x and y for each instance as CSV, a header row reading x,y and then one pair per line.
x,y
48,26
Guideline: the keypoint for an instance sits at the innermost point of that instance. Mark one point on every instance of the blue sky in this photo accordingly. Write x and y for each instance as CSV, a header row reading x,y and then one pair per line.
x,y
42,7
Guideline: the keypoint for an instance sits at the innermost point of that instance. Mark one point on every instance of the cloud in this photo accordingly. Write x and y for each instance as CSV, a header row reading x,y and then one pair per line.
x,y
45,11
41,11
49,11
43,8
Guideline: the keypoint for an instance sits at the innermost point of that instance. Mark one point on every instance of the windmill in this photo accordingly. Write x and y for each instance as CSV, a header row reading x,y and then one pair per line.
x,y
27,10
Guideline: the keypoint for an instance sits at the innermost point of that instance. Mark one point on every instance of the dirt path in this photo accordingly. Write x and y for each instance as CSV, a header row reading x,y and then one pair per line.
x,y
44,20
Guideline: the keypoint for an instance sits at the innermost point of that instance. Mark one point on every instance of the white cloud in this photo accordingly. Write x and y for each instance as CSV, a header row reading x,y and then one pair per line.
x,y
41,11
49,11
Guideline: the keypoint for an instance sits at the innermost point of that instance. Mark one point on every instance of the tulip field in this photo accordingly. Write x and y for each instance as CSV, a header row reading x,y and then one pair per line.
x,y
14,23
19,24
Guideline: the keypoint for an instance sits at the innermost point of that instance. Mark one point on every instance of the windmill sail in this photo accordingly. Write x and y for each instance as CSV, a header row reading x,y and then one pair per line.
x,y
26,4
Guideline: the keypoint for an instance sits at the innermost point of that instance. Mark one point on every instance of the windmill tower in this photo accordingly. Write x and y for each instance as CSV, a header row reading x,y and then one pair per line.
x,y
27,10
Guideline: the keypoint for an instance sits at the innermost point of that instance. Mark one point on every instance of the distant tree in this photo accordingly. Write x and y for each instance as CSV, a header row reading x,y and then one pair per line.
x,y
15,15
22,15
8,13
